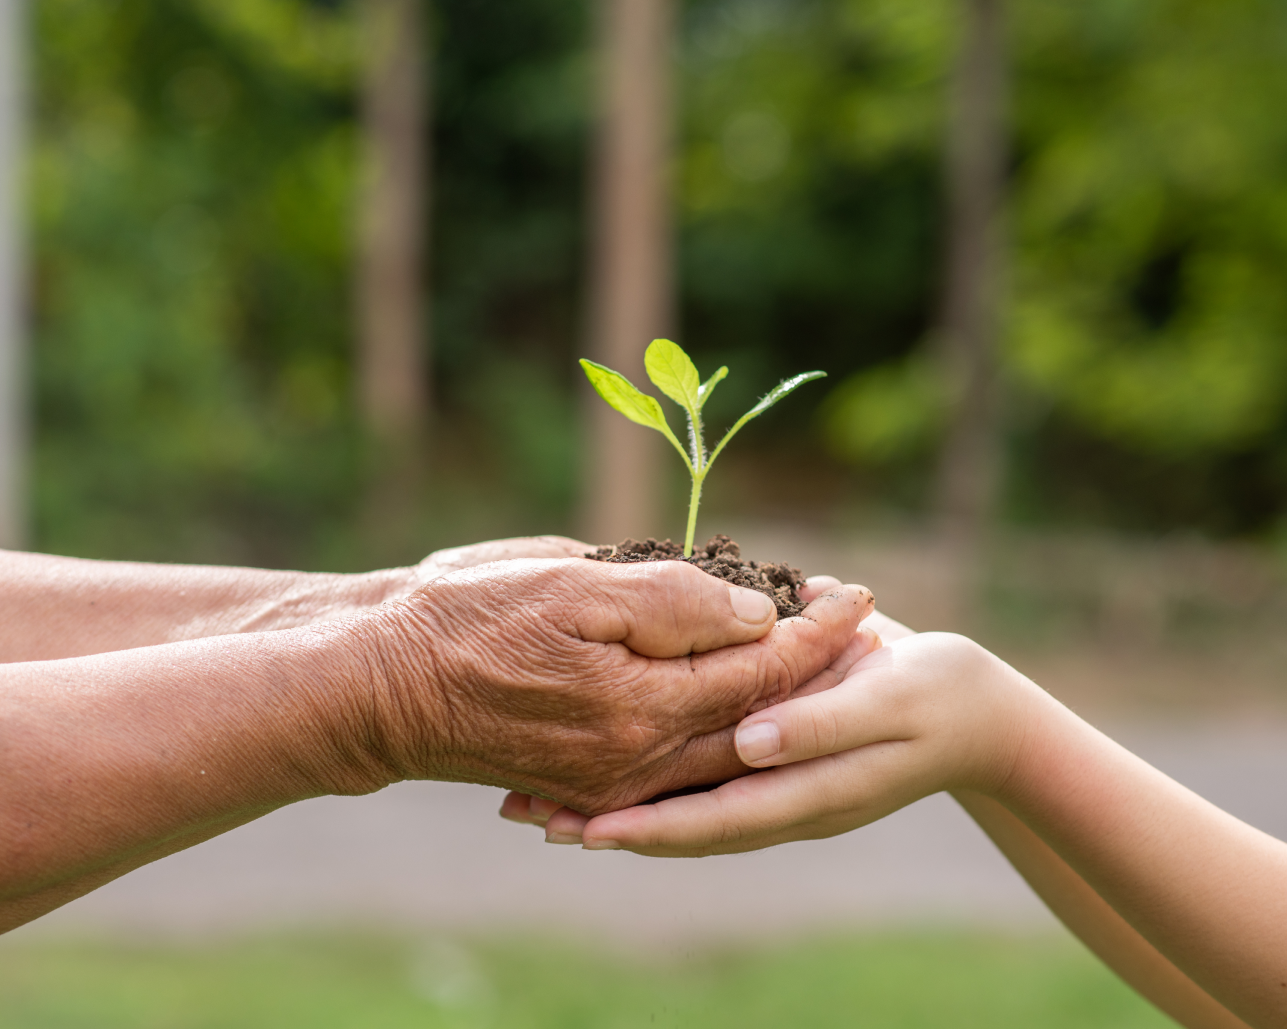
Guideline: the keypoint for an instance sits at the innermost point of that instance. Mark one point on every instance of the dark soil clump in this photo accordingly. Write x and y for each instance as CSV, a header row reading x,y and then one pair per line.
x,y
722,558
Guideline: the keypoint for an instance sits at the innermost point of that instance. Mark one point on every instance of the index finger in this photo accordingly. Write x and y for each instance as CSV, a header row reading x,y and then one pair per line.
x,y
811,800
752,812
665,608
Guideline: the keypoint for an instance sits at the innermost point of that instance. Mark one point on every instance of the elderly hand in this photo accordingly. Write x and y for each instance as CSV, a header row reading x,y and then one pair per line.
x,y
597,685
594,684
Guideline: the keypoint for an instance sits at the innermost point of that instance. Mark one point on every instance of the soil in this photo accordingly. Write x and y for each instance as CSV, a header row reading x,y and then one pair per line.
x,y
722,558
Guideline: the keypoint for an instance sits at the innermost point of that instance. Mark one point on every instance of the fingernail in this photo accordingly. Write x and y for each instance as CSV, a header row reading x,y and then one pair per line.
x,y
822,582
757,741
539,810
561,837
601,845
750,605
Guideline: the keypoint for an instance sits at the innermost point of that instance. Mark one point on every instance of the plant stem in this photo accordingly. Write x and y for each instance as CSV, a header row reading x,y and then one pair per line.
x,y
693,503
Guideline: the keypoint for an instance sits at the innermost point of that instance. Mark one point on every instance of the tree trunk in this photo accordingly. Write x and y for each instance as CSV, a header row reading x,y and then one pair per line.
x,y
631,275
976,171
13,356
392,361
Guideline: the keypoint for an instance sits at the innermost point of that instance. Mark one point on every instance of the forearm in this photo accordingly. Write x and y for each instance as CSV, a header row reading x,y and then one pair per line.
x,y
26,907
59,607
1094,922
1206,890
1087,915
111,761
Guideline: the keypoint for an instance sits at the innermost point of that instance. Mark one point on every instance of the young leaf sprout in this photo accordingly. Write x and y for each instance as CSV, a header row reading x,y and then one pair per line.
x,y
673,372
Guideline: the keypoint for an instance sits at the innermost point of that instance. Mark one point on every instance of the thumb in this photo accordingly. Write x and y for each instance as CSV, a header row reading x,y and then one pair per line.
x,y
852,714
668,609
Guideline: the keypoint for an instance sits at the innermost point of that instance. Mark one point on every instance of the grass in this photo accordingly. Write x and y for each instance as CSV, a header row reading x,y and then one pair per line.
x,y
347,981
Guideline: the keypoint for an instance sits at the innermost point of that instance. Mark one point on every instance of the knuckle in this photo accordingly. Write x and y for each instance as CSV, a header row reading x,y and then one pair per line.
x,y
802,651
778,673
683,584
727,830
828,728
962,653
770,676
815,731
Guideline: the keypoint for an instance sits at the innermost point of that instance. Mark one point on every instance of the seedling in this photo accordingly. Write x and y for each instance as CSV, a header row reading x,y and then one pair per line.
x,y
673,372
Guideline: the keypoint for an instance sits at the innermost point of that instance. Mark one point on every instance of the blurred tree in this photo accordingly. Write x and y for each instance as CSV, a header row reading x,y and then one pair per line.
x,y
392,339
977,151
513,120
632,261
393,358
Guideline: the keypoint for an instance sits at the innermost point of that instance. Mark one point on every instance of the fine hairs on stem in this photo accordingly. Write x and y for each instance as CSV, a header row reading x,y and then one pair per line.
x,y
673,372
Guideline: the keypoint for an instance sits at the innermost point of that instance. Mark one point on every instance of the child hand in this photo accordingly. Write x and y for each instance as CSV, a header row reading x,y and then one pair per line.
x,y
1183,900
931,712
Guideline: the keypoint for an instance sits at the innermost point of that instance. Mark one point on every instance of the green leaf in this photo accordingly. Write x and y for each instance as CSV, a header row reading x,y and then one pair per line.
x,y
674,373
622,395
781,390
768,400
708,387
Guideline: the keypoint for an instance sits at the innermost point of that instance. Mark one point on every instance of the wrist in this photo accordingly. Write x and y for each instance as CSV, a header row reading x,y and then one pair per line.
x,y
131,752
390,719
1041,732
309,598
321,688
1009,720
363,591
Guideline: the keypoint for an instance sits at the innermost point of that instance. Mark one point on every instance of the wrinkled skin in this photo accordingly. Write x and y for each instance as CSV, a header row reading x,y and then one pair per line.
x,y
593,684
59,607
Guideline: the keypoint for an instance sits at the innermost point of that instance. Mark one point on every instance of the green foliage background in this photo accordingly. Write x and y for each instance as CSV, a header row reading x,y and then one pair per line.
x,y
192,200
